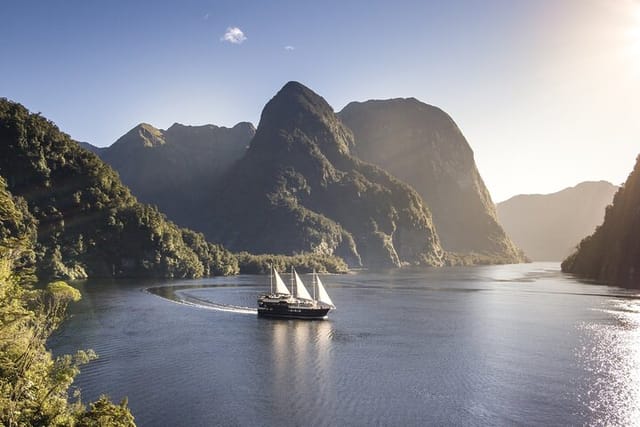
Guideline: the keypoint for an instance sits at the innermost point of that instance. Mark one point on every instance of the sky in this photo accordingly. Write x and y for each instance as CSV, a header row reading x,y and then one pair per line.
x,y
547,92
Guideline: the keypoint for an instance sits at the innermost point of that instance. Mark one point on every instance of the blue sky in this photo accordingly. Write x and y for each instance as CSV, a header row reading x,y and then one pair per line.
x,y
546,91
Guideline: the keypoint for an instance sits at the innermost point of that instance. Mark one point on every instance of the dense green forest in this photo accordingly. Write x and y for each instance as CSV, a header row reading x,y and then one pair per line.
x,y
303,263
88,223
34,386
612,253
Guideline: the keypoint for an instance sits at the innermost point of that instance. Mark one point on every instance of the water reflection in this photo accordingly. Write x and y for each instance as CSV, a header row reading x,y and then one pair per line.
x,y
611,355
462,346
301,360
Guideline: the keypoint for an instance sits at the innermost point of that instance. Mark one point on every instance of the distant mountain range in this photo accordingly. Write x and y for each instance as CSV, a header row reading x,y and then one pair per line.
x,y
612,253
321,196
421,145
299,183
174,169
549,226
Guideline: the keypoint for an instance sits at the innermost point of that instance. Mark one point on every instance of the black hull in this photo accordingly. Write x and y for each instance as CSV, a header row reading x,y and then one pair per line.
x,y
281,311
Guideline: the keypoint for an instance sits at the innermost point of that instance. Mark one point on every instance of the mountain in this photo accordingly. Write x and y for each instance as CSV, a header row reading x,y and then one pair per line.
x,y
299,189
612,253
421,145
36,386
174,168
549,226
88,223
90,147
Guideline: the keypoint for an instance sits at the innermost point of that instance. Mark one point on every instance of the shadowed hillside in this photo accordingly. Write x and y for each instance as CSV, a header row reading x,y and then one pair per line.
x,y
298,189
175,168
612,253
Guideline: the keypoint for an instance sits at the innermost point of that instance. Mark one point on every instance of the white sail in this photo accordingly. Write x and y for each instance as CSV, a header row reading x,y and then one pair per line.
x,y
323,296
301,291
281,288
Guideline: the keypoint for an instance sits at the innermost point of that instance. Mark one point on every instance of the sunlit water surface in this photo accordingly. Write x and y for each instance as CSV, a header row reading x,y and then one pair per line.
x,y
517,344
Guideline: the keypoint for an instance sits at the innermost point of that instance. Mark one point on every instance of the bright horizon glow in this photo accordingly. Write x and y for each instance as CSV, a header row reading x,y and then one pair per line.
x,y
545,92
635,34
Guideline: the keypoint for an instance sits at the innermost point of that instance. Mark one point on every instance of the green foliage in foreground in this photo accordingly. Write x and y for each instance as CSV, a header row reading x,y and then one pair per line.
x,y
34,386
103,412
303,263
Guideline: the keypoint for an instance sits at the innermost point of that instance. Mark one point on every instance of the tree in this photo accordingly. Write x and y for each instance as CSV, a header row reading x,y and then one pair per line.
x,y
34,385
103,412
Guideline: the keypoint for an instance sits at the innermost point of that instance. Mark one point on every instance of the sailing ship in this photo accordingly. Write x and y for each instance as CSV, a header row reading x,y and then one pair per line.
x,y
281,303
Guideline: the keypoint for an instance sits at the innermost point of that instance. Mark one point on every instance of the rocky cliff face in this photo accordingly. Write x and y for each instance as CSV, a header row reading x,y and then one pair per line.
x,y
612,253
175,168
298,188
422,146
549,226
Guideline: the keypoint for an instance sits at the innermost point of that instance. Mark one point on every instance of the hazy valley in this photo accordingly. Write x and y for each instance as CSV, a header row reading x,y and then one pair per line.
x,y
548,227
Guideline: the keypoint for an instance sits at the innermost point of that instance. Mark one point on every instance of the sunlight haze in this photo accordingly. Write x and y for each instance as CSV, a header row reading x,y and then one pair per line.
x,y
546,92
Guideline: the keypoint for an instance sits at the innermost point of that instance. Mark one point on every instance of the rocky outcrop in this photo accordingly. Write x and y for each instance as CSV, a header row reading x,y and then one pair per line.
x,y
422,146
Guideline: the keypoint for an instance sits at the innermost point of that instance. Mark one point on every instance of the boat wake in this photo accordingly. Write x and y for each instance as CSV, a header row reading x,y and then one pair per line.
x,y
199,302
182,296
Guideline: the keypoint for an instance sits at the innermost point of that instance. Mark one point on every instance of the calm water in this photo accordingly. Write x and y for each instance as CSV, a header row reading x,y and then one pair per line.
x,y
499,345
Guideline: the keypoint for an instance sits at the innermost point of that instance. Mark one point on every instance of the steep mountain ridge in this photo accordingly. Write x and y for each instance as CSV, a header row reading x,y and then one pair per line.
x,y
421,145
175,168
298,188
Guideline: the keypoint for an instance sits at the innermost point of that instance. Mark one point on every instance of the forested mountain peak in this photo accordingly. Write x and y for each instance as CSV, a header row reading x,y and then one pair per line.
x,y
297,109
422,145
174,169
312,195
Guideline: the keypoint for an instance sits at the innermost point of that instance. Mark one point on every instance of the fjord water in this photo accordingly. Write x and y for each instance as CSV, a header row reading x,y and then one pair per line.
x,y
514,344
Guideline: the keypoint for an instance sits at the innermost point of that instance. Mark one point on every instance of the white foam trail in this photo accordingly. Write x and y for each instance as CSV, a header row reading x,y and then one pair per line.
x,y
191,301
197,302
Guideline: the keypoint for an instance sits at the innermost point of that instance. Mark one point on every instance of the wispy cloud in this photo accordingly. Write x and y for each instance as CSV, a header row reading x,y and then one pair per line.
x,y
289,47
206,16
233,35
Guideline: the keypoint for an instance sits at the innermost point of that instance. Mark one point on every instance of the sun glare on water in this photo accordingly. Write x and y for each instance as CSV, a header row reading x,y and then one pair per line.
x,y
612,358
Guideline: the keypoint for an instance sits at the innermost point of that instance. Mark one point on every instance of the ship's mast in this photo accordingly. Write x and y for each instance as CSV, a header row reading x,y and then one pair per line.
x,y
313,283
293,284
271,278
